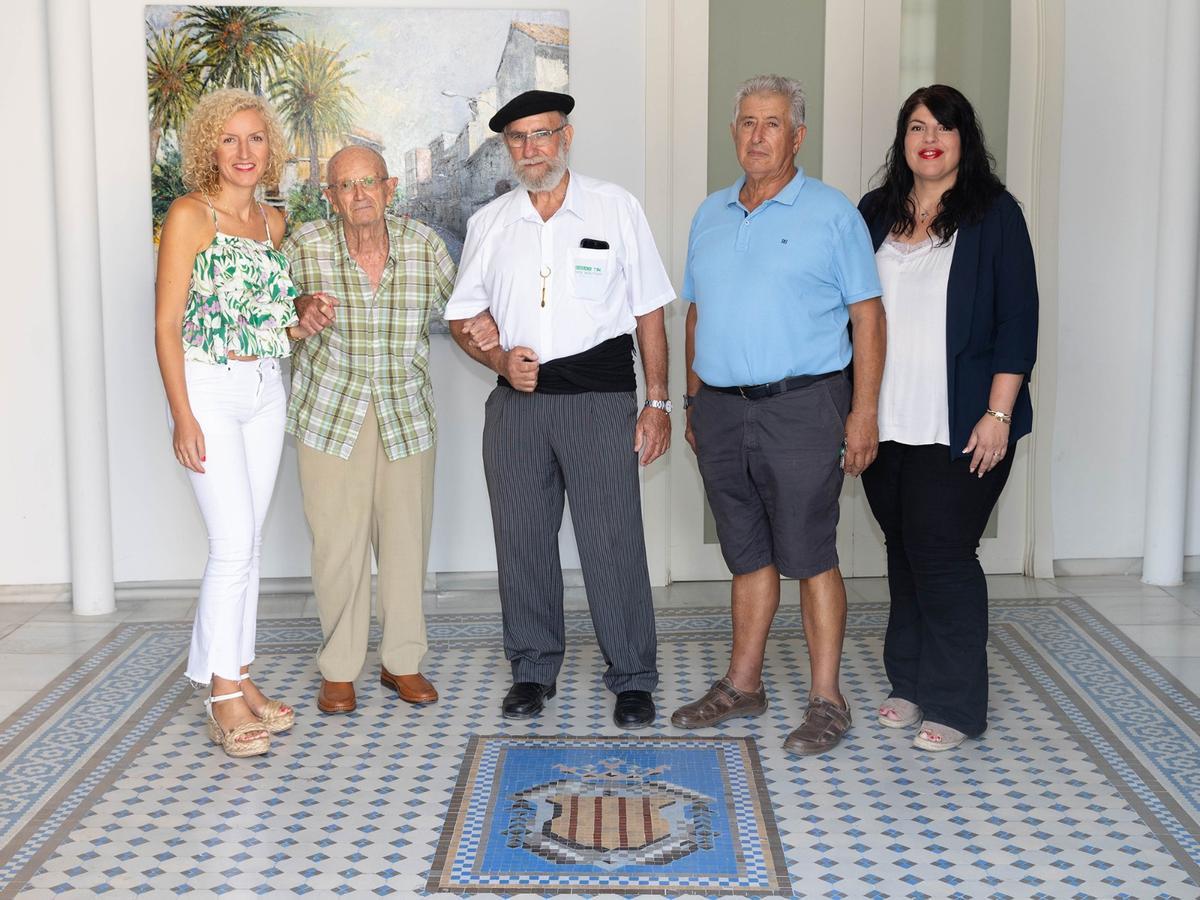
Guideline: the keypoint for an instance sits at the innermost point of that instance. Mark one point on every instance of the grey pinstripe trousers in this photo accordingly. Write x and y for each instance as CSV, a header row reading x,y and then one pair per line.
x,y
535,448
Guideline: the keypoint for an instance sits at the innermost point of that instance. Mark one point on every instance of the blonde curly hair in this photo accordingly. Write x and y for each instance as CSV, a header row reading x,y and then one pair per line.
x,y
204,127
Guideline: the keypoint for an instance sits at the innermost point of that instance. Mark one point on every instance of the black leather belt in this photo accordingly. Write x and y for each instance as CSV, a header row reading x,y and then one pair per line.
x,y
758,391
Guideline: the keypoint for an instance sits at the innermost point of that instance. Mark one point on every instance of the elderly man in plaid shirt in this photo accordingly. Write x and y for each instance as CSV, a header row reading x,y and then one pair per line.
x,y
362,413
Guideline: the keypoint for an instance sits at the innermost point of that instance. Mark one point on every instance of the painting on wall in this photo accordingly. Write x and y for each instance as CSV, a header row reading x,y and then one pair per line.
x,y
418,85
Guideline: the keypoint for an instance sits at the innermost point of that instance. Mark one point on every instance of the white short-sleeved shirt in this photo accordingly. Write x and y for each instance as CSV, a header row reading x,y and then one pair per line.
x,y
913,398
590,295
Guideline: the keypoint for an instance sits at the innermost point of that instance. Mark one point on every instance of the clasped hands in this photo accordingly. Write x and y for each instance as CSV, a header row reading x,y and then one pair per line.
x,y
520,365
651,435
318,310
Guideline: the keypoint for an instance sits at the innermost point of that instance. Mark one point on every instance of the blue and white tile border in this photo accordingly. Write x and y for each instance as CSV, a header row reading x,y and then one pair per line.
x,y
69,743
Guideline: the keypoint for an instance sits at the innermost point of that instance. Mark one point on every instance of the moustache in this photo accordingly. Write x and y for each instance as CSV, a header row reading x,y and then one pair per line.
x,y
535,161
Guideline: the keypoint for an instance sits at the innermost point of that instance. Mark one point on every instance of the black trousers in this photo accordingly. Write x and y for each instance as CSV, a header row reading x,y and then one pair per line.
x,y
933,511
537,449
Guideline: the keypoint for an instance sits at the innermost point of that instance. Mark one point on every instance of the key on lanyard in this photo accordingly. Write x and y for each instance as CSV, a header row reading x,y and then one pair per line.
x,y
544,272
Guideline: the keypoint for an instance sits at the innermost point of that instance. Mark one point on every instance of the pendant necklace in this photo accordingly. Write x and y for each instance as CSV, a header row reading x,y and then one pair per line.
x,y
922,214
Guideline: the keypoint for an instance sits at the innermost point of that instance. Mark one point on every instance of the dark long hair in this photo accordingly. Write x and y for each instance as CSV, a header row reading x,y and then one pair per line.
x,y
976,185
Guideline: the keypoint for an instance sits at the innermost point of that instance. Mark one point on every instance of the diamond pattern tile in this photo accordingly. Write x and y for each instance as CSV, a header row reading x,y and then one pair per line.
x,y
1086,785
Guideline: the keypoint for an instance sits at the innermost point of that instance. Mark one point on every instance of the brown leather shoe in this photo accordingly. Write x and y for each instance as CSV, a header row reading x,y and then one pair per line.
x,y
336,697
723,701
823,727
410,688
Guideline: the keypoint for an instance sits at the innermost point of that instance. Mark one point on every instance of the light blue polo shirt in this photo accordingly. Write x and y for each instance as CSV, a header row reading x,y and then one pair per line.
x,y
773,286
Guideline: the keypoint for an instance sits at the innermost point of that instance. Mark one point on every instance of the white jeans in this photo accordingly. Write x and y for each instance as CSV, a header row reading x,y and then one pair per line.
x,y
241,408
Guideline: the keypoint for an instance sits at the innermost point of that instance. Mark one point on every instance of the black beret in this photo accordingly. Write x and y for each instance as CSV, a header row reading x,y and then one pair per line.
x,y
530,103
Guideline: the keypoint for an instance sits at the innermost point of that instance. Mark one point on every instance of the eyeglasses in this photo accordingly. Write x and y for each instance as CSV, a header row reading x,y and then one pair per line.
x,y
537,138
347,185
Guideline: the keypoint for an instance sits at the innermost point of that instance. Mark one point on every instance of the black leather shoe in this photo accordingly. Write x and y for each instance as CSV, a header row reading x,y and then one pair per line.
x,y
634,709
525,699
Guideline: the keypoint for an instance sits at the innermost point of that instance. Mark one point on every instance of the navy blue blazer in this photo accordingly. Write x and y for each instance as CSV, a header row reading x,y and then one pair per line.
x,y
991,313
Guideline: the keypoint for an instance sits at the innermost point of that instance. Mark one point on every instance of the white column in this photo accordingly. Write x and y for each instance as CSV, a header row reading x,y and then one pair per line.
x,y
660,59
78,246
1175,289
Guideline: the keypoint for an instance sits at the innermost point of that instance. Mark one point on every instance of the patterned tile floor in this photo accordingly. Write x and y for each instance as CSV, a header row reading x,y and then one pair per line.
x,y
1086,785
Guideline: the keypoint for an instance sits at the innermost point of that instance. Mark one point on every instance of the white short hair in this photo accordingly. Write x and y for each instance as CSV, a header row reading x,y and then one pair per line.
x,y
773,84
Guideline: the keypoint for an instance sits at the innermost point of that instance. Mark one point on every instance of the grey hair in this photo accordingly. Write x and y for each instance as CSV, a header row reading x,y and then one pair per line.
x,y
773,84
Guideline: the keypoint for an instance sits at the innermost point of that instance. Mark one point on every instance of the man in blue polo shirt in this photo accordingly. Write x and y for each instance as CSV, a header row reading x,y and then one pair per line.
x,y
778,265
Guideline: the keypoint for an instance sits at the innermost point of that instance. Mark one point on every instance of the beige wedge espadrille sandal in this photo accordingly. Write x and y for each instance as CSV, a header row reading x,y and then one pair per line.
x,y
229,740
906,713
937,737
273,717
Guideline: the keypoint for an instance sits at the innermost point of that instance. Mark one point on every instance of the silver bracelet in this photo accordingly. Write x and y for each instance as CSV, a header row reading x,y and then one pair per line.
x,y
1003,417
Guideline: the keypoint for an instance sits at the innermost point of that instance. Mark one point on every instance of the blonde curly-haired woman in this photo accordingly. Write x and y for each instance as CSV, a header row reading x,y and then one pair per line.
x,y
223,315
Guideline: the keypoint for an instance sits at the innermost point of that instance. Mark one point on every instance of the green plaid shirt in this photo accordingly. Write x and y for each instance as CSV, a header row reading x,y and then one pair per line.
x,y
377,349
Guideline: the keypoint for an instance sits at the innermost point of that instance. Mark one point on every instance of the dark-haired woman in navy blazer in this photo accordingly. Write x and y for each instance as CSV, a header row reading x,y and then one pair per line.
x,y
960,292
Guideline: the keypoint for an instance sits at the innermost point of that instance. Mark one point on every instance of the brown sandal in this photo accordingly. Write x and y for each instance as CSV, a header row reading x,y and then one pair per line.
x,y
825,724
722,701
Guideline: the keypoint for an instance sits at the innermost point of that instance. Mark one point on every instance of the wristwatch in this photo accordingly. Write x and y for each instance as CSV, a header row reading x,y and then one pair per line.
x,y
664,405
688,400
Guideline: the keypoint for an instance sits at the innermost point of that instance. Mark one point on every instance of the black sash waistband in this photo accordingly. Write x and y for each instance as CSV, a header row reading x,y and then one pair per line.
x,y
605,368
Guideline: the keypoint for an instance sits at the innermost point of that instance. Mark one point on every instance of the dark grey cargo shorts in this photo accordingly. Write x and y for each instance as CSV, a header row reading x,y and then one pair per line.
x,y
772,473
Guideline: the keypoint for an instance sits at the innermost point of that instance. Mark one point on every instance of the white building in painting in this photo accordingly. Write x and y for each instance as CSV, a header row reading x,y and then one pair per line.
x,y
468,168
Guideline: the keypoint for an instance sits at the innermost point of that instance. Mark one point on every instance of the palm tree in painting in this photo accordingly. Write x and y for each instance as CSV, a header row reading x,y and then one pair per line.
x,y
314,96
173,82
243,45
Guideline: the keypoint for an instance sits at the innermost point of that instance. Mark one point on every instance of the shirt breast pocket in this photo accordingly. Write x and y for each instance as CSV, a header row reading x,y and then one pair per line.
x,y
592,273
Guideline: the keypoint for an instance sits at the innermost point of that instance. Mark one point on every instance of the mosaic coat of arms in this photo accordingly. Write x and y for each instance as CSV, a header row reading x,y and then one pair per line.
x,y
611,814
645,815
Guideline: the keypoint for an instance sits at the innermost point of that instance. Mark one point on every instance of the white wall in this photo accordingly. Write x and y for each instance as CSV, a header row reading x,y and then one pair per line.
x,y
1112,111
157,531
33,505
1108,201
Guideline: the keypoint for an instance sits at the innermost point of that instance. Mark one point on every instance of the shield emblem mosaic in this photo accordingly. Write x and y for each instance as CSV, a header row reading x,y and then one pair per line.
x,y
611,814
646,815
606,823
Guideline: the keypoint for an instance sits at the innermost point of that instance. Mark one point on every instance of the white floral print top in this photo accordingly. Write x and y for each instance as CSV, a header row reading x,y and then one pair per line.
x,y
241,300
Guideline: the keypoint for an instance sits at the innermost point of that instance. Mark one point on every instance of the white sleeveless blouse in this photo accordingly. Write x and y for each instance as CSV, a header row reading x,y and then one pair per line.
x,y
913,401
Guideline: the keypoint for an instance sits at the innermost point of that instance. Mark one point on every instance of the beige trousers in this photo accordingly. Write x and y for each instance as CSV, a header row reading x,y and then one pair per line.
x,y
354,506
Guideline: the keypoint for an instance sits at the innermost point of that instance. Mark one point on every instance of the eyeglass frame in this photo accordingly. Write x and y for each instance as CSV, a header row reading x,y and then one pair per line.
x,y
347,185
539,138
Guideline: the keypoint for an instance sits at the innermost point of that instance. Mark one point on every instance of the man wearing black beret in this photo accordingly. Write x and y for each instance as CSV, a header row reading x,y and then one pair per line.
x,y
567,267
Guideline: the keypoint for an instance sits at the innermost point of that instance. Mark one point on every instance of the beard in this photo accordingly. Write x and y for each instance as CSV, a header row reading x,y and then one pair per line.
x,y
556,167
